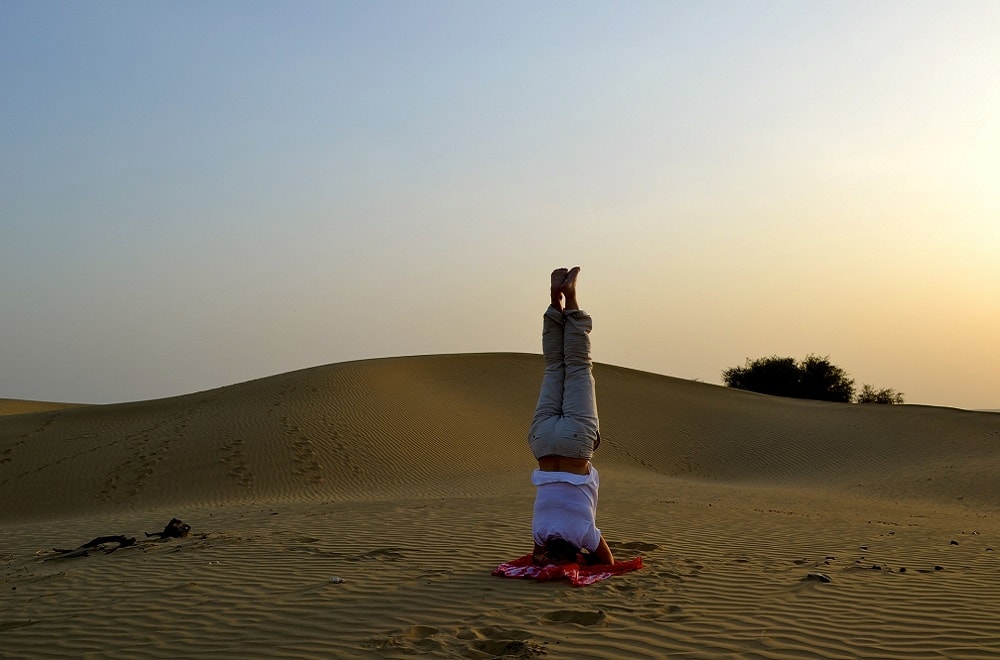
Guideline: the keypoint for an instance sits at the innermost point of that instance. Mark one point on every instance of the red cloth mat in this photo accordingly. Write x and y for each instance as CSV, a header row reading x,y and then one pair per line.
x,y
579,575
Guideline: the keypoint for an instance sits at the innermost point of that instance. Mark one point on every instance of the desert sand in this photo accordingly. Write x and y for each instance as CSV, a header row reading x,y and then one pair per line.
x,y
357,510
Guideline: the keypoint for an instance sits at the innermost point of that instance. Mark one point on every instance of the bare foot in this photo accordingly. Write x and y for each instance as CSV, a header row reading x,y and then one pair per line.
x,y
568,288
558,278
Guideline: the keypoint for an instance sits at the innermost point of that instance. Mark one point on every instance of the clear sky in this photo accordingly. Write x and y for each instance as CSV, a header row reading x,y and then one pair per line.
x,y
196,194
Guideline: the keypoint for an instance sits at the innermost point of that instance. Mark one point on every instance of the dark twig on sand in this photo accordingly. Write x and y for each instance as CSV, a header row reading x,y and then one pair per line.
x,y
174,529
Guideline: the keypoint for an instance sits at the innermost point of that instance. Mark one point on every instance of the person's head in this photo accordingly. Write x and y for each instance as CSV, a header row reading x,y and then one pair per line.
x,y
561,551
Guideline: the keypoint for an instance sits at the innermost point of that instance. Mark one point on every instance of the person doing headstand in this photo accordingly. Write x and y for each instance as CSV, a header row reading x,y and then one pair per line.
x,y
564,434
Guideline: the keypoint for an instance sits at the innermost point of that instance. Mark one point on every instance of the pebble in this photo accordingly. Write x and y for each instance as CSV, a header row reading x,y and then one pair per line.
x,y
336,580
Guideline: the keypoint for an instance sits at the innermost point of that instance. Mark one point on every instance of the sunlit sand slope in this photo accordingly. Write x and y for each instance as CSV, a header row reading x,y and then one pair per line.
x,y
22,406
440,424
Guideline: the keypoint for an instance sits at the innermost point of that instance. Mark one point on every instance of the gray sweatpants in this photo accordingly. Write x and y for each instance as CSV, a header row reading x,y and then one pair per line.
x,y
565,421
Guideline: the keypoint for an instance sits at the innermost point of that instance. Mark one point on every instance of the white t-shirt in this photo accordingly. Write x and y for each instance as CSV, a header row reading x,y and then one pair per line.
x,y
566,508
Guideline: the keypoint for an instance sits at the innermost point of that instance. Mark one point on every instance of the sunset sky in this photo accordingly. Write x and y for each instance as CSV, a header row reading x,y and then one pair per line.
x,y
196,194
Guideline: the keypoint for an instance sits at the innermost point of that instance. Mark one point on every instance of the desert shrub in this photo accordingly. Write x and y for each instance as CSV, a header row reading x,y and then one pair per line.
x,y
869,394
824,381
813,378
771,375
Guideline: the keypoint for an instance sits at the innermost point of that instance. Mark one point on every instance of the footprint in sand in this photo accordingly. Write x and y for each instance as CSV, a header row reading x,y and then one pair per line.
x,y
501,642
498,648
584,618
817,577
380,554
637,545
415,640
419,632
671,613
493,633
669,575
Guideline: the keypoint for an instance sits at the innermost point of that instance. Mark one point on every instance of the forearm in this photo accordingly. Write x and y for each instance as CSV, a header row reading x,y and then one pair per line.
x,y
603,553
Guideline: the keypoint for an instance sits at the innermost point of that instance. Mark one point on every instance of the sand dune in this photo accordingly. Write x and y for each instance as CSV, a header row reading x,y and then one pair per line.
x,y
408,479
21,406
430,425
